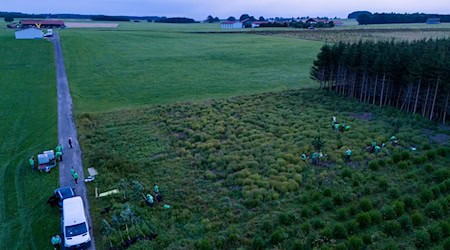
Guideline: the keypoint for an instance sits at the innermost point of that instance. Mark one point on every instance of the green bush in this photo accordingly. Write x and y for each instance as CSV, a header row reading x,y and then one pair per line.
x,y
442,151
203,244
392,228
286,218
426,195
306,228
346,173
410,203
352,226
441,175
434,210
431,155
363,219
375,216
405,222
365,205
278,236
421,239
258,243
355,243
396,157
402,165
317,223
339,231
388,213
417,219
446,244
341,214
327,204
373,165
435,232
399,207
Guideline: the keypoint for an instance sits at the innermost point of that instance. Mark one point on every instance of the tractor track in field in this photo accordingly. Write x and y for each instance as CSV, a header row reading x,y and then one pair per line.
x,y
66,129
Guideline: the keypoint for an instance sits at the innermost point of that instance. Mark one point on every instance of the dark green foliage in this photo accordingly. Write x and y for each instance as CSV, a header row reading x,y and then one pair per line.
x,y
441,175
318,143
352,226
399,207
431,155
388,213
392,228
286,218
417,219
341,214
278,236
375,216
363,219
373,165
258,243
404,67
365,205
339,231
434,209
421,238
306,228
405,222
435,232
355,243
327,204
426,195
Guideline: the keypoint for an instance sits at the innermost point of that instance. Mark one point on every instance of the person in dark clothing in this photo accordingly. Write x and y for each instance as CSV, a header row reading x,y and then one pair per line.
x,y
70,142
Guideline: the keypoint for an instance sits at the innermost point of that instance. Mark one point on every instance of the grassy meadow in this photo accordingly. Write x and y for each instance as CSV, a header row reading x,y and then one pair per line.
x,y
231,170
114,69
29,125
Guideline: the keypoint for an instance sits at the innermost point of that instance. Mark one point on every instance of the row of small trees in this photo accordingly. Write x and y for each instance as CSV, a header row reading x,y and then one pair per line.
x,y
412,76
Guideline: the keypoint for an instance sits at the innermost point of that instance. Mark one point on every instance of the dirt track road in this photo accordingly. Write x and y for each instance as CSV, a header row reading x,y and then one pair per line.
x,y
66,129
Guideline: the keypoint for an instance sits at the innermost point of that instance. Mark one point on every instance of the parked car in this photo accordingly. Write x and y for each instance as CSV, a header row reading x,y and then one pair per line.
x,y
75,228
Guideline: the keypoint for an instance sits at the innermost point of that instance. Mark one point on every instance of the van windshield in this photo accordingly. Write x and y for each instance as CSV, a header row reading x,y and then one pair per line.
x,y
76,230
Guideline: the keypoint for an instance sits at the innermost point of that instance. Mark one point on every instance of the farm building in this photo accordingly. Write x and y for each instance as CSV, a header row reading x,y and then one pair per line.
x,y
231,25
316,20
42,23
433,20
30,33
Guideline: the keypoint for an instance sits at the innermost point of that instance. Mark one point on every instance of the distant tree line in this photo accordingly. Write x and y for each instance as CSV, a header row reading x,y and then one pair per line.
x,y
412,76
175,20
305,25
385,18
110,18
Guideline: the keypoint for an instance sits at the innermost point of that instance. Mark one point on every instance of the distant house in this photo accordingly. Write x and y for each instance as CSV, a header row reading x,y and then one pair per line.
x,y
231,25
316,20
257,24
30,33
42,24
433,20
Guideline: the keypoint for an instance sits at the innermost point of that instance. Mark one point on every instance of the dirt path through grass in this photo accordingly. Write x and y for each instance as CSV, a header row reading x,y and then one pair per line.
x,y
66,129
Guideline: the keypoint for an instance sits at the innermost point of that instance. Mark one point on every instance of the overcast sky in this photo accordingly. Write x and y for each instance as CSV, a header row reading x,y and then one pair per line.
x,y
200,9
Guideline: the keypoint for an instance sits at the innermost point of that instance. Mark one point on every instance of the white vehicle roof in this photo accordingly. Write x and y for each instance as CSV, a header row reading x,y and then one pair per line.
x,y
73,211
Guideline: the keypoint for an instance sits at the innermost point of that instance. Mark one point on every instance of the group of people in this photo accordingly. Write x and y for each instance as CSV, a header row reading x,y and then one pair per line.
x,y
339,127
149,197
315,157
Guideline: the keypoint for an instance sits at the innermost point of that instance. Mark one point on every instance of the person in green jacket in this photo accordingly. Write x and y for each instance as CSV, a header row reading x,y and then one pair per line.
x,y
56,241
303,157
75,177
58,156
336,126
377,149
315,158
348,155
155,188
149,200
31,161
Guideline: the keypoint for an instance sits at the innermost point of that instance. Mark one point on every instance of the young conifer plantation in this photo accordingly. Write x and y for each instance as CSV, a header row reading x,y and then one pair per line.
x,y
412,76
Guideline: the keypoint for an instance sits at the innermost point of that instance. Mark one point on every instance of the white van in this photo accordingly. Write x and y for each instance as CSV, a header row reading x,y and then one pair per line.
x,y
74,224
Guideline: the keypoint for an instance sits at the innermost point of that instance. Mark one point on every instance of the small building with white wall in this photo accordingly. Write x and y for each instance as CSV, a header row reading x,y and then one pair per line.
x,y
231,25
30,33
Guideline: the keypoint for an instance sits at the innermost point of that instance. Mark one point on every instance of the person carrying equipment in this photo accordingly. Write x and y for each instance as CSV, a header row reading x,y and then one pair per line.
x,y
348,155
59,148
31,161
149,200
56,241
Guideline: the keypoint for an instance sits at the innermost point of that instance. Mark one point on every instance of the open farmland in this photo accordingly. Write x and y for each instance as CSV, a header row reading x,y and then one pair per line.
x,y
357,34
123,69
230,169
28,126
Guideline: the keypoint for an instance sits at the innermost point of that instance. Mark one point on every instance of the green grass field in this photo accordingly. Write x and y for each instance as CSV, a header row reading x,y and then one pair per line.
x,y
124,69
29,125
